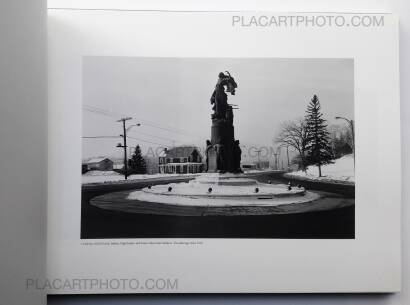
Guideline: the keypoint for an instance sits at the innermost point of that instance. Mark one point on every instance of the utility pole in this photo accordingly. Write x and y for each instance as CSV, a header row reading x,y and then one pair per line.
x,y
287,153
276,160
124,137
259,159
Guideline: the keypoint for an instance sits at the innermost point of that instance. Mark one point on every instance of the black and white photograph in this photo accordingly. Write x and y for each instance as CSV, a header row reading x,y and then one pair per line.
x,y
218,148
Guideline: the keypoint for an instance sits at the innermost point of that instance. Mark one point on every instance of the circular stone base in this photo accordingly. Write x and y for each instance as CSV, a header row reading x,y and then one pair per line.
x,y
224,179
223,190
226,201
218,195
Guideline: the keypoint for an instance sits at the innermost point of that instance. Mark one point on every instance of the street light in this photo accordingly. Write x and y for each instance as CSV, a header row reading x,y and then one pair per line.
x,y
351,124
124,145
124,136
129,127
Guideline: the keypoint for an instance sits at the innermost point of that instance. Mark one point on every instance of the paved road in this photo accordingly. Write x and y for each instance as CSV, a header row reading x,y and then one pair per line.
x,y
118,201
100,223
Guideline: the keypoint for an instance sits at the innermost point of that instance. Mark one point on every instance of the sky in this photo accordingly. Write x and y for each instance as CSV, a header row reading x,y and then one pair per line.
x,y
170,98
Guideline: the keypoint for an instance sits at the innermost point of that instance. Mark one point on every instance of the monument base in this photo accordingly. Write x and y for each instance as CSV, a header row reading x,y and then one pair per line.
x,y
223,190
227,179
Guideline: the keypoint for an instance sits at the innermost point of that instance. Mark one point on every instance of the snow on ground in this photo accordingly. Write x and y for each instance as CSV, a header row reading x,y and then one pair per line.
x,y
111,176
220,202
340,171
257,171
199,189
101,173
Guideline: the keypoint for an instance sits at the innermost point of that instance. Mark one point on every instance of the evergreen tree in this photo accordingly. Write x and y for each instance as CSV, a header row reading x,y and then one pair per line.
x,y
137,163
319,151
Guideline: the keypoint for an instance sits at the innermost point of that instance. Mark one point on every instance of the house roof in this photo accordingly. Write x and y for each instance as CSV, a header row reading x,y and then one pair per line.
x,y
179,152
96,160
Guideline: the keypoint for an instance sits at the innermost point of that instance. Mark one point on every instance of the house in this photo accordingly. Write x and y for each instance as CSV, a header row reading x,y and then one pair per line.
x,y
118,164
180,160
100,164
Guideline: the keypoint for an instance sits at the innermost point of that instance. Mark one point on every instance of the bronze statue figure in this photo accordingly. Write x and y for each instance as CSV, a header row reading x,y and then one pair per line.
x,y
226,153
219,98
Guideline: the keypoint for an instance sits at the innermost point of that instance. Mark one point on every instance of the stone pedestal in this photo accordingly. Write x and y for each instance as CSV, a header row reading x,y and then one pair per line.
x,y
220,154
222,132
211,157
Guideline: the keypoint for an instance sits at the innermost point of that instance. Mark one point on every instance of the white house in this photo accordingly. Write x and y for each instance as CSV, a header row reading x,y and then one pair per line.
x,y
180,160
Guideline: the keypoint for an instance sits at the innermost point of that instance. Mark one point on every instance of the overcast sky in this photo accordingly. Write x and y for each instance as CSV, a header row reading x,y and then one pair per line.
x,y
169,97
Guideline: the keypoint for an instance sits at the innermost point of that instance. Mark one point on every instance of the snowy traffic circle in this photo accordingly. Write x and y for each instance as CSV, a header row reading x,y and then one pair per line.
x,y
222,195
215,194
225,201
119,202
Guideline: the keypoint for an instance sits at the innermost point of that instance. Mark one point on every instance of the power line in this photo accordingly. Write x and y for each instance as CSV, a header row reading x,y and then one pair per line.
x,y
98,110
147,122
111,137
111,115
161,144
100,137
151,135
170,130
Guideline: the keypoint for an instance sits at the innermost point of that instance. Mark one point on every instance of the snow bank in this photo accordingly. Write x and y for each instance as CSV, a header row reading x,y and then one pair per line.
x,y
221,202
110,176
340,171
101,173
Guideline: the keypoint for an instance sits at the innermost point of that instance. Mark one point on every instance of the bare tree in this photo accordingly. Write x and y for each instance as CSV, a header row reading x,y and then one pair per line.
x,y
294,134
341,140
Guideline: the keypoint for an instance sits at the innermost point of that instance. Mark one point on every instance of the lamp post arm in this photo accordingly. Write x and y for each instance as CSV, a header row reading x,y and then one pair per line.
x,y
129,127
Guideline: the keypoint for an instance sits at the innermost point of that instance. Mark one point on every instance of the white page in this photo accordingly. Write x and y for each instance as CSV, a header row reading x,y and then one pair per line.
x,y
228,264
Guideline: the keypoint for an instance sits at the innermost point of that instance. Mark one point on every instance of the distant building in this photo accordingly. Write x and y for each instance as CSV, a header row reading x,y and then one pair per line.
x,y
118,164
255,165
248,166
100,164
262,164
180,160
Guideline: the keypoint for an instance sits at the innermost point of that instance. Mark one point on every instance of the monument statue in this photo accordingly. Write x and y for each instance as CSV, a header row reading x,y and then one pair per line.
x,y
221,192
223,153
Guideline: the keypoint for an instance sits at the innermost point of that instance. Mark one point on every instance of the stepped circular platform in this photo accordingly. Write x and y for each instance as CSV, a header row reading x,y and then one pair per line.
x,y
220,190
